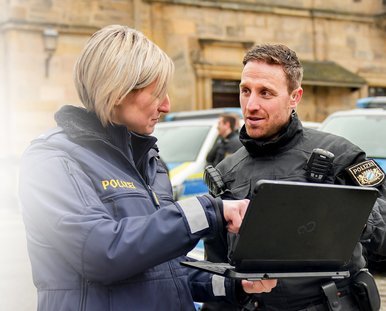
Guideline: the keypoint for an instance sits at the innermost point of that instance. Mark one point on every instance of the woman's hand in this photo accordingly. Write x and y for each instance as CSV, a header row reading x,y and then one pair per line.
x,y
234,211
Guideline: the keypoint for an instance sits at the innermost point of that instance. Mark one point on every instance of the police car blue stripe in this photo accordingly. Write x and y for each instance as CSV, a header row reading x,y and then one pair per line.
x,y
194,186
381,163
173,165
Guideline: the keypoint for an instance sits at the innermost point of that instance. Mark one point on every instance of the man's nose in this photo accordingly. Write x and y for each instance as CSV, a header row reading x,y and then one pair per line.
x,y
253,102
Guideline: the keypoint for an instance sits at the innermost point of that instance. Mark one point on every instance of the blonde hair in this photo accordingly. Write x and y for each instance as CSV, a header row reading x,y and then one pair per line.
x,y
116,61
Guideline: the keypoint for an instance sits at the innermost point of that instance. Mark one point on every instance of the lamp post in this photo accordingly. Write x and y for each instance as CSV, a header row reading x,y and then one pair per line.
x,y
50,39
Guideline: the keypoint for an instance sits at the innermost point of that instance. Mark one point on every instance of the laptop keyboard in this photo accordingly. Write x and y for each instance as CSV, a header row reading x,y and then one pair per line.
x,y
215,267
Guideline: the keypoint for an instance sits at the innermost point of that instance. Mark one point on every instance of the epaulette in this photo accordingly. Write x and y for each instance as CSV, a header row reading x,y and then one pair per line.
x,y
367,173
49,133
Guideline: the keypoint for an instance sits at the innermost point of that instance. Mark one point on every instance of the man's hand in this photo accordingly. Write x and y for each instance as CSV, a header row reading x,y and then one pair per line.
x,y
234,211
256,287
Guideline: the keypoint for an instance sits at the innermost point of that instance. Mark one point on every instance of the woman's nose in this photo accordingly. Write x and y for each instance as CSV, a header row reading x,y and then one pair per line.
x,y
165,105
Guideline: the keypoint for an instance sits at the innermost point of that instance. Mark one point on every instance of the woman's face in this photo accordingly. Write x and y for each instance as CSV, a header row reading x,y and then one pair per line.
x,y
140,110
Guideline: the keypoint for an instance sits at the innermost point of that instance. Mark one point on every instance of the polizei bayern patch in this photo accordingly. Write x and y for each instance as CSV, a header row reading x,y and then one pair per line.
x,y
366,173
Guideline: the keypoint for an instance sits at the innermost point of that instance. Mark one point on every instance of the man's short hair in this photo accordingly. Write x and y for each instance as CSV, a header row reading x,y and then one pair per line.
x,y
229,118
278,54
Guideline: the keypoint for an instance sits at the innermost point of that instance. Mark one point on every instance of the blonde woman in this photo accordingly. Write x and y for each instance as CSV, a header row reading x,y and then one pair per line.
x,y
103,230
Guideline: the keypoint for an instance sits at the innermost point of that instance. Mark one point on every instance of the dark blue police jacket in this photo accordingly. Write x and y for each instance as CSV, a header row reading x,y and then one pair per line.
x,y
102,228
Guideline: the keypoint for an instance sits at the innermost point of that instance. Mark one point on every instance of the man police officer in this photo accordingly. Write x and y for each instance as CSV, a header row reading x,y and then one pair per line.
x,y
277,147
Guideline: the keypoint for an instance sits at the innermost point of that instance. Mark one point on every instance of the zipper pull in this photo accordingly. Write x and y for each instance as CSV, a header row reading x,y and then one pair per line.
x,y
154,196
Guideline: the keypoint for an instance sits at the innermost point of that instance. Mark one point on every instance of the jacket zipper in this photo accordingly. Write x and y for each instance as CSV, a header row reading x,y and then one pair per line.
x,y
155,201
154,197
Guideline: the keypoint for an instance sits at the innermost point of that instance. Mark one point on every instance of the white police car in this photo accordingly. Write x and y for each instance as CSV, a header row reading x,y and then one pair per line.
x,y
202,114
183,146
365,127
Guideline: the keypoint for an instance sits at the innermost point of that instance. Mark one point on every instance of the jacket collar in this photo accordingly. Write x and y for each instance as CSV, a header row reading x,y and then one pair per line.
x,y
286,139
81,125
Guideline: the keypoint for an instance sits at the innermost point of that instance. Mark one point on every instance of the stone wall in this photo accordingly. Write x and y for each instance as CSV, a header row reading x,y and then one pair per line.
x,y
28,97
206,40
335,31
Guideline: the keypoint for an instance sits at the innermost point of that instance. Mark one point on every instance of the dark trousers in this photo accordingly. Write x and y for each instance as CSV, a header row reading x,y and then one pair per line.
x,y
348,304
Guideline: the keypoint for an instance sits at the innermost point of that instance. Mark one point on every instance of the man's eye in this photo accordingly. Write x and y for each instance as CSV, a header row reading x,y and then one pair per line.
x,y
266,94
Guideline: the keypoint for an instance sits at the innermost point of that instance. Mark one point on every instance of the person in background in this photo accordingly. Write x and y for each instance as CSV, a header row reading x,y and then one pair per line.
x,y
102,228
237,119
277,147
228,139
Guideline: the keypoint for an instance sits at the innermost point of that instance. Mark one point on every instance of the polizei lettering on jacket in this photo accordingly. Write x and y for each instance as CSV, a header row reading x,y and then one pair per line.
x,y
116,183
366,173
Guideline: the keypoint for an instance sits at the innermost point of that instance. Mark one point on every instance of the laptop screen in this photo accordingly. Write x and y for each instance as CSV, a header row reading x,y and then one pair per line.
x,y
301,226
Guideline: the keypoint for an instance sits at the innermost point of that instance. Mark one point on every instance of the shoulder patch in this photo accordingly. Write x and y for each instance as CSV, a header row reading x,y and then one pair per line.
x,y
367,173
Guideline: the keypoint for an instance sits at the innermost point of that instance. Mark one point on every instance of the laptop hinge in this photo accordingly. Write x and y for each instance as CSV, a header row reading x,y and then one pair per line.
x,y
331,292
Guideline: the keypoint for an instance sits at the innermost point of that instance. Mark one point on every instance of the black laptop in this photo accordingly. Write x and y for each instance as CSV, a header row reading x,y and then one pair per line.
x,y
296,229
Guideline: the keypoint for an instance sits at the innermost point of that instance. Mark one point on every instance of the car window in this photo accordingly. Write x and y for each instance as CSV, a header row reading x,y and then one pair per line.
x,y
180,144
368,132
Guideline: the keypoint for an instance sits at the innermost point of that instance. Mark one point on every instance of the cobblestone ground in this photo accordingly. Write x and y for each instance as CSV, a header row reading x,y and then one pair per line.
x,y
381,282
17,292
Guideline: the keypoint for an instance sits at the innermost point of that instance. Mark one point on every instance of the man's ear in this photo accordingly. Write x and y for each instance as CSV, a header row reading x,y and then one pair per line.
x,y
295,97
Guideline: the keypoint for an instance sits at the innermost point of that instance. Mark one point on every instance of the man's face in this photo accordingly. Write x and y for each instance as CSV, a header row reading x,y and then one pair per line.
x,y
264,99
222,127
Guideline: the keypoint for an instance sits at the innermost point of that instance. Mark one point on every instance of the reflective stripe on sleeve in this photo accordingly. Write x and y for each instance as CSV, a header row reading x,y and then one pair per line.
x,y
218,285
194,214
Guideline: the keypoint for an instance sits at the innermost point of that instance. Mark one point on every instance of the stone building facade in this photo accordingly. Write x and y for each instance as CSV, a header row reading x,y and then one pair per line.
x,y
342,45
